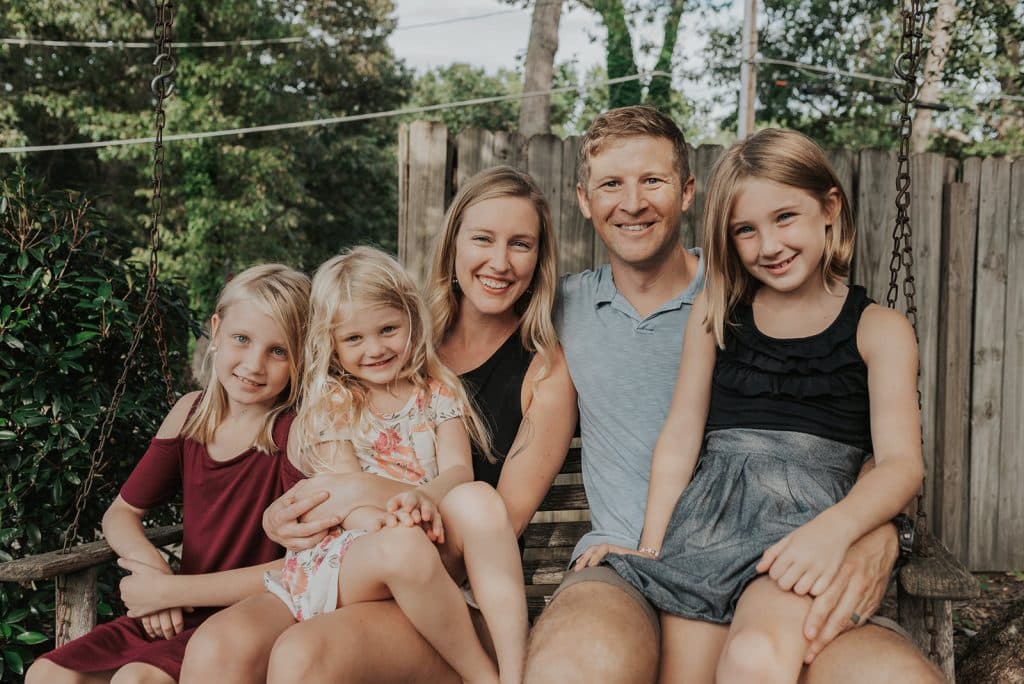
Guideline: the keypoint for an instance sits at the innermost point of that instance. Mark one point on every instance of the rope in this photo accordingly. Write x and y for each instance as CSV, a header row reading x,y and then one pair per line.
x,y
325,122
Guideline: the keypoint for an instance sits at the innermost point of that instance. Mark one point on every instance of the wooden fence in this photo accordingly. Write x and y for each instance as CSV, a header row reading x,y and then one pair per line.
x,y
968,222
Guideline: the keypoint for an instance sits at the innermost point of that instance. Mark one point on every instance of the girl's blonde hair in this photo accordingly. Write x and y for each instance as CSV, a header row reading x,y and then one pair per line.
x,y
330,396
536,329
282,294
784,157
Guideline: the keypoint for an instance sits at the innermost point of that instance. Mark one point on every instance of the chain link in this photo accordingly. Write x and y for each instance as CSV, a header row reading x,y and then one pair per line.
x,y
162,31
906,67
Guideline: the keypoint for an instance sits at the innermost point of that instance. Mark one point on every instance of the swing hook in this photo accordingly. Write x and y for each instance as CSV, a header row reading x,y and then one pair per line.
x,y
163,84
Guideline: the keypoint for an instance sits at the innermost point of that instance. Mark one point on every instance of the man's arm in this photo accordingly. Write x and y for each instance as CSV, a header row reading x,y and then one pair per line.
x,y
858,587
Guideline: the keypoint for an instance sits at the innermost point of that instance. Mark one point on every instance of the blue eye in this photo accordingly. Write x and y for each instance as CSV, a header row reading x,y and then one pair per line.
x,y
388,329
279,352
786,215
240,339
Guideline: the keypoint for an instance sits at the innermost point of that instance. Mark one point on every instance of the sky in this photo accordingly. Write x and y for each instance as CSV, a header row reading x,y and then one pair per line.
x,y
491,42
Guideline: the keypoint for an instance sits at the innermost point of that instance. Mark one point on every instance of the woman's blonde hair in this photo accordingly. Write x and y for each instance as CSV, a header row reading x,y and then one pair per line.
x,y
536,329
784,157
332,397
282,294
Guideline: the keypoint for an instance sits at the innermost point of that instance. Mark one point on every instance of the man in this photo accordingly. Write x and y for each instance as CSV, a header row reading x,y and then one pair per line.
x,y
622,326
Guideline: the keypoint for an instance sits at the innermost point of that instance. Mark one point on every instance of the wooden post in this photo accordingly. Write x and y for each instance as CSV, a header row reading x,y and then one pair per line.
x,y
952,458
926,218
930,624
988,368
1011,502
876,215
75,605
424,186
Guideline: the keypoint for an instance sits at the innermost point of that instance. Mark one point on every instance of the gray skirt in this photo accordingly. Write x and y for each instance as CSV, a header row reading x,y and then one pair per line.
x,y
750,489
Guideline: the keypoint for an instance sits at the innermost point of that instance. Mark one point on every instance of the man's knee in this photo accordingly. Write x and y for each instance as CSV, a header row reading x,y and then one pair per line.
x,y
592,632
871,653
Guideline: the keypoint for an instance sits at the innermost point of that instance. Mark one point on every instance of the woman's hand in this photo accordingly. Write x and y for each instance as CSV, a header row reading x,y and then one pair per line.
x,y
281,519
415,507
806,560
594,555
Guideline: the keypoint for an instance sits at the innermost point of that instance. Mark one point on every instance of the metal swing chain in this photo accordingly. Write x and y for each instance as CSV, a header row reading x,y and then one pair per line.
x,y
906,68
162,86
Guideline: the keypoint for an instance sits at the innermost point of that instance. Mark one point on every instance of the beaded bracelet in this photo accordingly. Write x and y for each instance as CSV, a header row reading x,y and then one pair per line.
x,y
648,551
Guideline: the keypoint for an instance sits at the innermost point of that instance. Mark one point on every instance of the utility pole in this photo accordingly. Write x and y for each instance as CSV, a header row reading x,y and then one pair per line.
x,y
748,70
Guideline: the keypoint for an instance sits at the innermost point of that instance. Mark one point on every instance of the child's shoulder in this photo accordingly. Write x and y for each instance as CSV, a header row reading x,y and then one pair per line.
x,y
176,417
882,330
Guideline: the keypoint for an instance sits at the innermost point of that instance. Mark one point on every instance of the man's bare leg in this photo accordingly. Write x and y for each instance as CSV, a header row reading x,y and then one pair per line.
x,y
592,632
365,643
870,654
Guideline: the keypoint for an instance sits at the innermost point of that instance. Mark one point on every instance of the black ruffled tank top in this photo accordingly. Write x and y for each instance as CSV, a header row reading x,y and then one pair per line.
x,y
495,388
817,385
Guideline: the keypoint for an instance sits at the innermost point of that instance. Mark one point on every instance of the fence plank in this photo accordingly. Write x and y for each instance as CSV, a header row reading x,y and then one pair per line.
x,y
1011,504
575,235
928,171
876,214
544,163
952,458
701,162
424,172
477,149
987,380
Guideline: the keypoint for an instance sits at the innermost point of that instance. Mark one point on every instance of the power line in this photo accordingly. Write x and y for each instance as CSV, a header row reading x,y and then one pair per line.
x,y
325,122
122,44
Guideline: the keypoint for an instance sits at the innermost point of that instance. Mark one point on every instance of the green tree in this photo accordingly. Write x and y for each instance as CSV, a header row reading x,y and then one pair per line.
x,y
296,196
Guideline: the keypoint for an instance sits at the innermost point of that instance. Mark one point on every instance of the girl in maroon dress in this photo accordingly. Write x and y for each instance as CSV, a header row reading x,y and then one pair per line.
x,y
225,450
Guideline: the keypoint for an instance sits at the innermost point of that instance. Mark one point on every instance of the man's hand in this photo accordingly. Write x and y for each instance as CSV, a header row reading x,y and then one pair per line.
x,y
414,507
281,519
857,589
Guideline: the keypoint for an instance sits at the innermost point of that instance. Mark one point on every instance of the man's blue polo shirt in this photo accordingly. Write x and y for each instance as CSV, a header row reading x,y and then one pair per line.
x,y
624,367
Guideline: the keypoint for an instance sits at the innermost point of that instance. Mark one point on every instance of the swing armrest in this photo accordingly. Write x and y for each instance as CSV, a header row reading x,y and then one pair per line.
x,y
83,556
935,573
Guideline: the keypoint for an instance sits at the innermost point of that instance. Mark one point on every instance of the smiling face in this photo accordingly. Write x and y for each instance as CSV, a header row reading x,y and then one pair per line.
x,y
636,199
251,358
371,342
496,253
779,233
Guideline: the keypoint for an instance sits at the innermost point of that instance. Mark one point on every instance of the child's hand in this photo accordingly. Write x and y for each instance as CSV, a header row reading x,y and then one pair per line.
x,y
414,507
369,518
143,591
594,555
163,624
807,559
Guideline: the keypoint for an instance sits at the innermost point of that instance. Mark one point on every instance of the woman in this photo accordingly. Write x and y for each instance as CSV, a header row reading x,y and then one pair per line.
x,y
491,291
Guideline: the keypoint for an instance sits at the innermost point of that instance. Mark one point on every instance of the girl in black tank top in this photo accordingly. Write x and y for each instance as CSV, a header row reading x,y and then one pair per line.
x,y
789,381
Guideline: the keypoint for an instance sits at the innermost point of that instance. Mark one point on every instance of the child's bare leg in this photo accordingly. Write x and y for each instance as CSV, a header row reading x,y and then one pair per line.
x,y
233,645
766,641
401,562
476,521
141,673
45,671
689,650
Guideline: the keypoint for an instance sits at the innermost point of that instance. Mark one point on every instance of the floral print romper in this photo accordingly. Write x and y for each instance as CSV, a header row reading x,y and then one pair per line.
x,y
402,449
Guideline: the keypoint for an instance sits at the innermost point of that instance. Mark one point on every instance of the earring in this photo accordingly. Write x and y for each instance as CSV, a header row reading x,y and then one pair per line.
x,y
455,284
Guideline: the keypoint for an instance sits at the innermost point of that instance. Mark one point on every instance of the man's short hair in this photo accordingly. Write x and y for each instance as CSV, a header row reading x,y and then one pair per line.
x,y
626,122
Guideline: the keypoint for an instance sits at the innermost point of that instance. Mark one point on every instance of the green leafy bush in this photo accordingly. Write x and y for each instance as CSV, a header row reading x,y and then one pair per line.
x,y
68,308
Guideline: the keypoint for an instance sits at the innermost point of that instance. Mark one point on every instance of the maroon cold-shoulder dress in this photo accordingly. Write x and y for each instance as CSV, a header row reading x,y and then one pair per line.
x,y
223,503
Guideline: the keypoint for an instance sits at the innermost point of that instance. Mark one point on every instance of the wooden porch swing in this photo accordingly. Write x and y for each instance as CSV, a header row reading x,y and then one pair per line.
x,y
926,584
